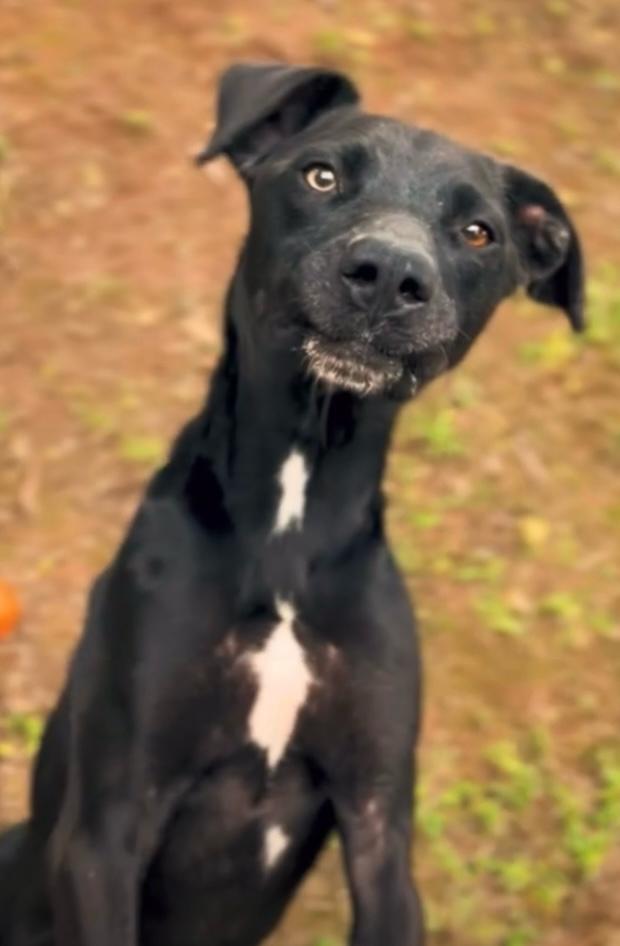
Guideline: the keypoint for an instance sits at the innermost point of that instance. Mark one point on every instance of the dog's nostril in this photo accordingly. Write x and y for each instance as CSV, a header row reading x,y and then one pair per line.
x,y
410,290
364,273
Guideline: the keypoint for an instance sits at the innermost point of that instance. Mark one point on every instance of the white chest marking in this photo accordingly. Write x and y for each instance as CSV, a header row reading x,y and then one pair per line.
x,y
293,479
276,843
283,680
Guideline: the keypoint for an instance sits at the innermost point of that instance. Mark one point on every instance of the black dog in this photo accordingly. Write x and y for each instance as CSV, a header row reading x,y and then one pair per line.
x,y
248,678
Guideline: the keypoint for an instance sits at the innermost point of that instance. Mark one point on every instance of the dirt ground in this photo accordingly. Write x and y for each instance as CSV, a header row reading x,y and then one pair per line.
x,y
505,503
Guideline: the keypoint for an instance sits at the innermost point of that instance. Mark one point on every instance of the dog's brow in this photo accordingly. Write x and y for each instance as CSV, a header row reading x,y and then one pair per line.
x,y
459,196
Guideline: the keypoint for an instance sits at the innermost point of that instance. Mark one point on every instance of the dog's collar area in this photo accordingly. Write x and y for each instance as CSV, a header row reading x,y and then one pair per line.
x,y
292,480
297,469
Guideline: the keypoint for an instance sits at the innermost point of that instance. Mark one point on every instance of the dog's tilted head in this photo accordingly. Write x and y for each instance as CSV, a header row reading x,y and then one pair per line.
x,y
377,250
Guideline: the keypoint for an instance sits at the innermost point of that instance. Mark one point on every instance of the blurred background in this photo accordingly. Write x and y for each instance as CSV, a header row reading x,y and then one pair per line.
x,y
504,479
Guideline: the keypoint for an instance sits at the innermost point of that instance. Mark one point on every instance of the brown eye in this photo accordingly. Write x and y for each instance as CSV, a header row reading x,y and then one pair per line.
x,y
320,177
477,235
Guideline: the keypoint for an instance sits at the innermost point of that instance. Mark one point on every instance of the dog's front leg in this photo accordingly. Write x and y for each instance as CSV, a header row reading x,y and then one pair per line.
x,y
94,884
376,844
109,827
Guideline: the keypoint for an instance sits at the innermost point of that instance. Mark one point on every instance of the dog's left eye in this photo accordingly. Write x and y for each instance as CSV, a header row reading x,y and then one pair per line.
x,y
477,234
320,177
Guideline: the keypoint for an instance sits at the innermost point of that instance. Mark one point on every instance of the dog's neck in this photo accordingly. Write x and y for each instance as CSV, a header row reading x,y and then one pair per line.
x,y
297,467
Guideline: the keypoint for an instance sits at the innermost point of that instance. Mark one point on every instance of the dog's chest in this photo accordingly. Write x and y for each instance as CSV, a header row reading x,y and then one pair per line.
x,y
283,677
276,673
253,805
282,670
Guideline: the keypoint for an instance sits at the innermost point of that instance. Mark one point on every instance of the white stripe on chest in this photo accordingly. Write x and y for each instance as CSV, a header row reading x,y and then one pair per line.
x,y
282,680
293,479
276,842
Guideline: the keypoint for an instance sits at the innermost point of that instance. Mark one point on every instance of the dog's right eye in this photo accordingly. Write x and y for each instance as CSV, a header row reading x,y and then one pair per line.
x,y
320,177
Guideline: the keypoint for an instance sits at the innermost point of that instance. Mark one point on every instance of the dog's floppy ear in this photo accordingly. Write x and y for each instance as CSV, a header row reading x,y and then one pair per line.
x,y
548,245
259,105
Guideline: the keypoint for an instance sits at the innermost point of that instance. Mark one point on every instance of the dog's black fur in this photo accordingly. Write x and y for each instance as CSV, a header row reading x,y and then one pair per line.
x,y
248,678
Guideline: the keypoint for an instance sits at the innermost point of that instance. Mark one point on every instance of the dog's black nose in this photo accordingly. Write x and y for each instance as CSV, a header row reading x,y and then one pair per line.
x,y
383,275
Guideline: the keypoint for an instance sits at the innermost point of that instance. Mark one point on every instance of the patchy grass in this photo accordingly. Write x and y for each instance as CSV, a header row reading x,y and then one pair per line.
x,y
5,150
437,432
604,312
608,161
20,734
606,80
103,289
488,818
95,418
563,605
560,9
330,44
420,28
505,147
5,421
137,122
143,449
557,67
484,24
551,353
234,29
533,532
499,615
482,567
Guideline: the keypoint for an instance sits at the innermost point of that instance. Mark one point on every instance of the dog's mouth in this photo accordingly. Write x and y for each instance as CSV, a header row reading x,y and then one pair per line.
x,y
356,367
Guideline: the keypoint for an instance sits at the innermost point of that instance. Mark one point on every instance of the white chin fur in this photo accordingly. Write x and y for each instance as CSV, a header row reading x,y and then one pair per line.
x,y
347,374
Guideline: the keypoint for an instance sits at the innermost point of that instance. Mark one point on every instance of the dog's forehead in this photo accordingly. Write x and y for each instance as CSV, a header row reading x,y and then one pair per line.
x,y
398,151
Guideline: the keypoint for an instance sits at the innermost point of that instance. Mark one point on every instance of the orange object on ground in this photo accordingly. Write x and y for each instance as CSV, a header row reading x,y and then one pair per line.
x,y
10,609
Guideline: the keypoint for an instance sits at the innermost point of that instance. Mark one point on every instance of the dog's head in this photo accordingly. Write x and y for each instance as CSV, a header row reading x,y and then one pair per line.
x,y
378,250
